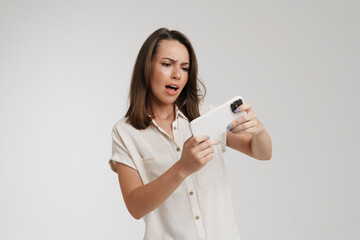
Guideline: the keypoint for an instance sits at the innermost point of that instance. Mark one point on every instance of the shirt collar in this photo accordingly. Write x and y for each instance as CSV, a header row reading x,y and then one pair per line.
x,y
177,114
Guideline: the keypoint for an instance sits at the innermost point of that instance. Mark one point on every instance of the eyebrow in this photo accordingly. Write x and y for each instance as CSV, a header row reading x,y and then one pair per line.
x,y
172,60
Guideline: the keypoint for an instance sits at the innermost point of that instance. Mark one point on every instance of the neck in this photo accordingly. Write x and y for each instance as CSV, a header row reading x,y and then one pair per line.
x,y
161,111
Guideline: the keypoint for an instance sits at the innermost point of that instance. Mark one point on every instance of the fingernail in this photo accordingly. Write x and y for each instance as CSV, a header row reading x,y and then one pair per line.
x,y
229,126
237,110
208,137
230,130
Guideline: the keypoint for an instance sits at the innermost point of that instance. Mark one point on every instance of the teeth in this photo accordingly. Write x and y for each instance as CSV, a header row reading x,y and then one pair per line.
x,y
172,86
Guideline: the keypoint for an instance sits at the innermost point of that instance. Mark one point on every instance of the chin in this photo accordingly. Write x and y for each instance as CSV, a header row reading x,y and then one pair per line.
x,y
166,99
169,100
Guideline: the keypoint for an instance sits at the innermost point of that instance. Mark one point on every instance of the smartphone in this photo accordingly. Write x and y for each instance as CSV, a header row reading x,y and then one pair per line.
x,y
215,122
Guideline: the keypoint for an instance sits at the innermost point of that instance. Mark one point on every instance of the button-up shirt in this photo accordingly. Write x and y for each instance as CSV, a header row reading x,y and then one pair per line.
x,y
201,207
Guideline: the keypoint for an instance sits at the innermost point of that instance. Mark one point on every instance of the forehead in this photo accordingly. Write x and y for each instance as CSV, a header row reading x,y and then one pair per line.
x,y
173,49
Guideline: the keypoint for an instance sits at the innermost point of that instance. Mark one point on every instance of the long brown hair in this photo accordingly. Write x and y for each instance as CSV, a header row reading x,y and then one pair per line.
x,y
139,112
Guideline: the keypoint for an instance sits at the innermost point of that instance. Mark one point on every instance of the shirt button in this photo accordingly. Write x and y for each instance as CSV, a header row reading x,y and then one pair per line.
x,y
191,193
197,217
175,128
178,149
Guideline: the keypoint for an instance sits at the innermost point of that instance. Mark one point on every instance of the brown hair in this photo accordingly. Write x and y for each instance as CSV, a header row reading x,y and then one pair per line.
x,y
189,98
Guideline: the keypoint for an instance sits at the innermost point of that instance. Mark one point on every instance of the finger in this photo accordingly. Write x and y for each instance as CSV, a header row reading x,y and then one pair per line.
x,y
207,144
241,120
208,157
207,151
199,139
248,130
244,126
245,107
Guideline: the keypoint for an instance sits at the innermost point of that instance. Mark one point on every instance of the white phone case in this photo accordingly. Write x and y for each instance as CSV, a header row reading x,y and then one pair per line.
x,y
215,122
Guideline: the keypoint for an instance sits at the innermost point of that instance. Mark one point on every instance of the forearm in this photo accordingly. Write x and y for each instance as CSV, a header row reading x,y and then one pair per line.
x,y
261,145
150,196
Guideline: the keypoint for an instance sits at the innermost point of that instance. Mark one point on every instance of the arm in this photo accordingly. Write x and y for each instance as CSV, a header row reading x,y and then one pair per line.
x,y
141,199
248,135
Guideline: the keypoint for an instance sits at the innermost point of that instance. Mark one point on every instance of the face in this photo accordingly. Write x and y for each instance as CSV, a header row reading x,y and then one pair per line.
x,y
169,71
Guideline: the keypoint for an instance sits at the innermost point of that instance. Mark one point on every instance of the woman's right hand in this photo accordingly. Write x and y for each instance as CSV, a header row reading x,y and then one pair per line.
x,y
197,151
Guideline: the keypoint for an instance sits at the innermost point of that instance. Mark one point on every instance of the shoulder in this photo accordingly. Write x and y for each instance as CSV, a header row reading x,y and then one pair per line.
x,y
125,129
122,126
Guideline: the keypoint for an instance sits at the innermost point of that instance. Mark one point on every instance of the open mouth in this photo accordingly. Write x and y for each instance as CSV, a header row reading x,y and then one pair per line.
x,y
172,87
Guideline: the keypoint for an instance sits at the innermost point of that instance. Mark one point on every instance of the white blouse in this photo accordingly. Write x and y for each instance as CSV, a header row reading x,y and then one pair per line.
x,y
201,207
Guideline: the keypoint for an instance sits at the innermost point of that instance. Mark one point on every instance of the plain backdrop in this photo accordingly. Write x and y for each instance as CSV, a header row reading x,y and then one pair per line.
x,y
65,69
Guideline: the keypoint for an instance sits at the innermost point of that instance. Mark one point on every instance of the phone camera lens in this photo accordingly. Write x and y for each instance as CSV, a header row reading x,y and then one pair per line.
x,y
235,105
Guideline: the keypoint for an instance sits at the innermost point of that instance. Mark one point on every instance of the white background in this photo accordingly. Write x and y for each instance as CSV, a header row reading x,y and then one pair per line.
x,y
65,69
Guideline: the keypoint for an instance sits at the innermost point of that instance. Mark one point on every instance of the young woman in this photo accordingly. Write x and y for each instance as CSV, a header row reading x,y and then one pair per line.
x,y
177,182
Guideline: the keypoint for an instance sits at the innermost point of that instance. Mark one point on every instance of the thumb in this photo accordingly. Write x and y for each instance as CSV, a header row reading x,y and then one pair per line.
x,y
189,139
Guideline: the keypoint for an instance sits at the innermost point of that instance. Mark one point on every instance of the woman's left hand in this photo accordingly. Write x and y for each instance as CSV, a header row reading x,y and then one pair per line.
x,y
247,123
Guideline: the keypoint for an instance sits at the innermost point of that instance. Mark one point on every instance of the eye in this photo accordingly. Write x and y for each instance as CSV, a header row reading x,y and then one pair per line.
x,y
185,69
166,64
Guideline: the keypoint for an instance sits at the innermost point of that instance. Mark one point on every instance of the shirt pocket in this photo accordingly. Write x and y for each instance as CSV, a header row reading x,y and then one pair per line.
x,y
156,166
213,169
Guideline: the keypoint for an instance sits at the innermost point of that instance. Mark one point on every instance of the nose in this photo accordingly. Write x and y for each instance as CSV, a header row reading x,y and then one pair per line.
x,y
176,74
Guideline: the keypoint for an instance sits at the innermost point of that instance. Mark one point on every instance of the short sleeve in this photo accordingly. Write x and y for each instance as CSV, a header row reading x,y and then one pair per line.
x,y
204,107
120,152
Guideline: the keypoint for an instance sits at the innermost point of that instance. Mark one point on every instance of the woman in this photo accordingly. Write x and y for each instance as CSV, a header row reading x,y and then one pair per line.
x,y
175,182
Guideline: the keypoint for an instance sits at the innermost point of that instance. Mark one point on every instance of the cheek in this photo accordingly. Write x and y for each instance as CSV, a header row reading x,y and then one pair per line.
x,y
155,86
186,79
159,75
155,78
